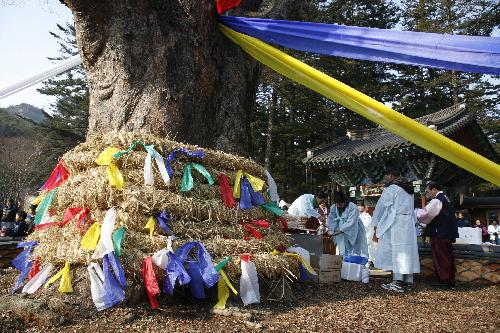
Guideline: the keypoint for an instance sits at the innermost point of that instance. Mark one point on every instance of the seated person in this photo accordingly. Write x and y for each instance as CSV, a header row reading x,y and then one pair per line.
x,y
6,229
20,226
462,222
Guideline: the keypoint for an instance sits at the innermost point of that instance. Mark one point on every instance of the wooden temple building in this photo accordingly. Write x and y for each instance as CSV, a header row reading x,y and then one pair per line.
x,y
356,161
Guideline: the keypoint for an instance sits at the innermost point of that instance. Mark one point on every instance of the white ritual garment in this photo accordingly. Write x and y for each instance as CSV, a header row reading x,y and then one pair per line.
x,y
352,240
395,220
370,231
303,206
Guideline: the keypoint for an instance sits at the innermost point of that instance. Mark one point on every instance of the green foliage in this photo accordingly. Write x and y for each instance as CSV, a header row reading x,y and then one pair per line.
x,y
70,111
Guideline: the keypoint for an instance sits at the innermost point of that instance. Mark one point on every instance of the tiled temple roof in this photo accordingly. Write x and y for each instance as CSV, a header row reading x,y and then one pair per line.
x,y
378,141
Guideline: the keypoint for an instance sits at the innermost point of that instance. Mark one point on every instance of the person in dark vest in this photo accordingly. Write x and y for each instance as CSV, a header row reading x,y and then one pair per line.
x,y
439,215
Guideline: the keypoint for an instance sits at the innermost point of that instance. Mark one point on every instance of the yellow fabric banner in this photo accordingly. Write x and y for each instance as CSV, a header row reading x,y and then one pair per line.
x,y
257,183
39,198
106,157
222,294
91,237
151,226
369,108
115,177
226,279
296,256
223,291
65,285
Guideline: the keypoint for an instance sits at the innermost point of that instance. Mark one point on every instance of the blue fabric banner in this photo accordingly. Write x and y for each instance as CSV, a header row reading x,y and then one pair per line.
x,y
23,263
117,269
112,291
162,220
171,157
453,52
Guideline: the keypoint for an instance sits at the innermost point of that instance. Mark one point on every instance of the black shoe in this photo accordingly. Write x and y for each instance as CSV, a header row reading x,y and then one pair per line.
x,y
408,286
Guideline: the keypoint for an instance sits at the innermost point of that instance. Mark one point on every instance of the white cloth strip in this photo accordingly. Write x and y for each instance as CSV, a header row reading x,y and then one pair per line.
x,y
60,67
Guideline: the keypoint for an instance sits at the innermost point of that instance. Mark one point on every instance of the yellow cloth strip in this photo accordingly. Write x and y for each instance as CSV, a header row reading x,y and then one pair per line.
x,y
91,237
39,198
115,177
226,279
222,294
369,108
151,226
106,157
298,257
65,285
257,183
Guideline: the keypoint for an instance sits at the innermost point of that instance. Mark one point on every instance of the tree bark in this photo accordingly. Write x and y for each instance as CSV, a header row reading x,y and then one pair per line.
x,y
164,67
270,123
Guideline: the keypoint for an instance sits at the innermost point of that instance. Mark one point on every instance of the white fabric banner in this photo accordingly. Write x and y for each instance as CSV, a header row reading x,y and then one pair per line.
x,y
60,67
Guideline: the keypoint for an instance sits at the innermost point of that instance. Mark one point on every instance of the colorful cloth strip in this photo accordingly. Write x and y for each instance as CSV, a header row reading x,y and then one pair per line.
x,y
476,54
367,107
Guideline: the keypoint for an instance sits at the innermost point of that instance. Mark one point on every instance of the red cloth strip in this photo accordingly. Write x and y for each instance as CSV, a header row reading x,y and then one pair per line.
x,y
225,191
225,5
150,282
58,175
251,230
35,268
284,223
46,225
261,223
69,214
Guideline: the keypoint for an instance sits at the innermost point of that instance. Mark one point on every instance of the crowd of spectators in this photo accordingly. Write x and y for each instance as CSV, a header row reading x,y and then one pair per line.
x,y
15,222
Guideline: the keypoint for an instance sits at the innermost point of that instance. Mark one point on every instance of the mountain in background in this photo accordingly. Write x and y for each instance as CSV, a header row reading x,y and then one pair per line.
x,y
29,112
12,125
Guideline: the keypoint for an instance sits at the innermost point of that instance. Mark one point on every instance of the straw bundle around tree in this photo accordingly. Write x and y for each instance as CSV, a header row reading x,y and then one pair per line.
x,y
198,215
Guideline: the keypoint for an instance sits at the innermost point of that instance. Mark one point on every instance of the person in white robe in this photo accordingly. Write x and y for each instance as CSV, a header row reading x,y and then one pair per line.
x,y
394,220
370,231
344,223
307,204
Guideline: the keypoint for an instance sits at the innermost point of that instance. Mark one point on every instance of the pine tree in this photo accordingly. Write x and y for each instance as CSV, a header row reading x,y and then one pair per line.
x,y
303,119
425,90
70,111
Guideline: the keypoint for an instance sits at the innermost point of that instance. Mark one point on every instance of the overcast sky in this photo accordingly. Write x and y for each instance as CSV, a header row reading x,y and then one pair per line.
x,y
25,44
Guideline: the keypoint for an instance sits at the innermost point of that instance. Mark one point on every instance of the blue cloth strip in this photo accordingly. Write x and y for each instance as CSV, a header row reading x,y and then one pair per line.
x,y
173,154
196,283
117,269
162,219
205,264
453,52
112,291
245,198
175,271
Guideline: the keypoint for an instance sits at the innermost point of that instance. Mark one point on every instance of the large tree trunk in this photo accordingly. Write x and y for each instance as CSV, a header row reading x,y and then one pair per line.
x,y
163,66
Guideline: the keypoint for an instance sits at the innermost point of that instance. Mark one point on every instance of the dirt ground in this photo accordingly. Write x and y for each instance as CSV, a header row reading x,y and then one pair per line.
x,y
341,307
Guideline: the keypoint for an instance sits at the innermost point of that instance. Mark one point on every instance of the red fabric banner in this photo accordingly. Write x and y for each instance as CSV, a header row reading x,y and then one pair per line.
x,y
261,223
46,225
284,223
225,5
69,214
226,191
35,268
251,230
58,175
150,282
